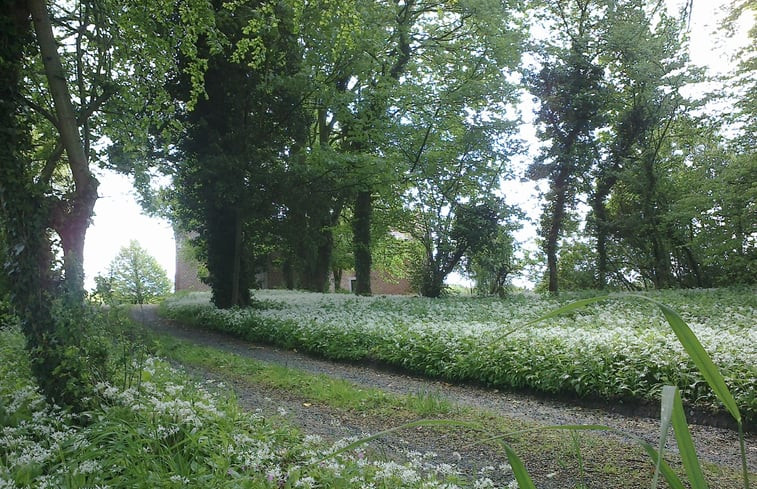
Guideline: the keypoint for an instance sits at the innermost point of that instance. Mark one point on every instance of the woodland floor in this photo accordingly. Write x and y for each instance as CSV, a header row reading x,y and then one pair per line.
x,y
551,466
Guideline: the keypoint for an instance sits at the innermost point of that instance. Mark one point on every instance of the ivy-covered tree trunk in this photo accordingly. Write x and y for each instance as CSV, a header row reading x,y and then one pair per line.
x,y
52,323
336,274
71,217
432,284
322,266
363,211
227,263
28,265
361,227
601,231
662,271
236,273
554,225
316,250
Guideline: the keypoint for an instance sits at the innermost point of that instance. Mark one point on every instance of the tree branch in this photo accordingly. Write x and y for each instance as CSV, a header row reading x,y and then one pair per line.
x,y
46,175
43,112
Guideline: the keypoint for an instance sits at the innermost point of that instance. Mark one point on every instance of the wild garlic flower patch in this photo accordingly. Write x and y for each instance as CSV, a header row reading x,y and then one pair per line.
x,y
35,438
619,349
164,430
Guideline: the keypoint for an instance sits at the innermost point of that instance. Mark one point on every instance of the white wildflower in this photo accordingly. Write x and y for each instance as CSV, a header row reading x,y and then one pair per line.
x,y
484,483
179,479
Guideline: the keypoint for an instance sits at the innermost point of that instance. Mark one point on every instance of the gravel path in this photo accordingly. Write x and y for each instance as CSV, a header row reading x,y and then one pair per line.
x,y
715,445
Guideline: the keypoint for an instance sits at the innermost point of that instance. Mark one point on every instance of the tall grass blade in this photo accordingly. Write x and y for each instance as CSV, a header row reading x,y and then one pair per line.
x,y
519,470
686,445
708,370
666,414
670,477
700,358
744,468
573,306
579,457
696,352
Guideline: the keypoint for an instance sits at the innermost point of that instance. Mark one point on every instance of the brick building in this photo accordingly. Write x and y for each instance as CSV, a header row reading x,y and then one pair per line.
x,y
187,269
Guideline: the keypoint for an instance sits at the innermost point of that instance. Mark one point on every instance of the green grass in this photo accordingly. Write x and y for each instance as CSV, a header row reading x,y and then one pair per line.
x,y
620,465
156,427
164,430
336,393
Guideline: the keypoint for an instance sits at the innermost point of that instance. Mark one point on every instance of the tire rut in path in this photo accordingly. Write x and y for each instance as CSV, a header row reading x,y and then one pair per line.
x,y
715,445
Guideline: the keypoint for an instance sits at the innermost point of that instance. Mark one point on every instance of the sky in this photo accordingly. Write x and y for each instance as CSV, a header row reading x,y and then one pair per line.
x,y
118,218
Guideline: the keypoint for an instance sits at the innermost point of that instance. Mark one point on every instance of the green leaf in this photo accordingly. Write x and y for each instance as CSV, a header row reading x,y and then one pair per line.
x,y
670,477
519,470
573,306
686,444
704,364
666,413
700,358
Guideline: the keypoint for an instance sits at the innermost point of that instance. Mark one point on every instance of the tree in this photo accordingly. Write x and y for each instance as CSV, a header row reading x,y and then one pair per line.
x,y
134,277
569,88
71,215
387,53
49,301
471,227
452,136
59,81
646,68
235,137
492,265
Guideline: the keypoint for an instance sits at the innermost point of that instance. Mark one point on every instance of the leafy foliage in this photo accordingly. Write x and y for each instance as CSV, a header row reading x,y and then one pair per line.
x,y
470,227
229,154
570,90
48,308
155,425
134,277
493,264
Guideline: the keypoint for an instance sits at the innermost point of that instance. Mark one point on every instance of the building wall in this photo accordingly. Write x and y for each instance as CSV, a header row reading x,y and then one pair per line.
x,y
273,278
186,267
381,283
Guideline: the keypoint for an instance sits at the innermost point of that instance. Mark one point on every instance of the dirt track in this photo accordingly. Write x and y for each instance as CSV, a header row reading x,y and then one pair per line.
x,y
715,445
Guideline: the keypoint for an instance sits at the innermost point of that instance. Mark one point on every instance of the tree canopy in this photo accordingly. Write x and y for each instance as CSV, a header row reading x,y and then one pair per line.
x,y
134,277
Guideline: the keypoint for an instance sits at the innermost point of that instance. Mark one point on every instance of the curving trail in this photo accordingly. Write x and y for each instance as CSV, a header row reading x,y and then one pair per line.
x,y
715,445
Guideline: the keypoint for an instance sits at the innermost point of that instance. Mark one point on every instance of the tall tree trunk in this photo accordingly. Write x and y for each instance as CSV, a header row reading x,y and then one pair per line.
x,y
288,271
560,190
361,229
228,266
603,187
378,106
315,248
26,223
72,218
662,269
323,261
236,273
663,274
336,273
